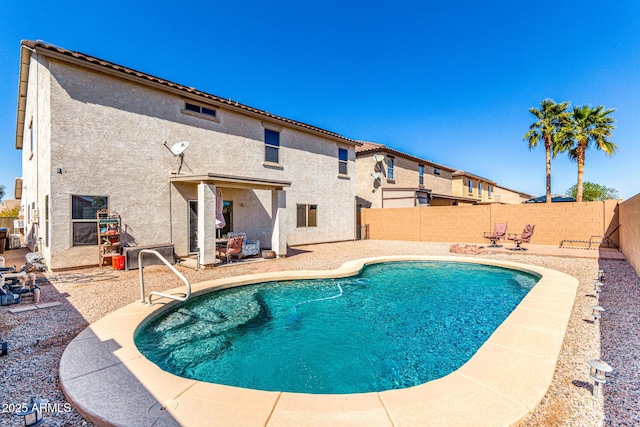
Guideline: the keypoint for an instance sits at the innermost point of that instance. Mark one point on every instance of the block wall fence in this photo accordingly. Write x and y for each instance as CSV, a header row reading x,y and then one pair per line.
x,y
630,231
467,224
554,222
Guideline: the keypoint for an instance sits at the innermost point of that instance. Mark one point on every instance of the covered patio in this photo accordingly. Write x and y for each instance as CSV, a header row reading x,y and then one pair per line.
x,y
261,205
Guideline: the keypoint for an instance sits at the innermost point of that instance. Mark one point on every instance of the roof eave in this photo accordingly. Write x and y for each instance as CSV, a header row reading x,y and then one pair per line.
x,y
23,79
185,92
385,149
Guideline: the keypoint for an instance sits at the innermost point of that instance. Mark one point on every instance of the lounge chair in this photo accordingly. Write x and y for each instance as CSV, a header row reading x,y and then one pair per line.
x,y
249,247
525,237
234,248
596,240
499,233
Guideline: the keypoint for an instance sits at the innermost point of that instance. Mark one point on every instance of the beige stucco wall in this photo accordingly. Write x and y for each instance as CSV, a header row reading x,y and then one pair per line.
x,y
368,191
440,184
107,136
36,165
630,230
459,187
554,222
508,196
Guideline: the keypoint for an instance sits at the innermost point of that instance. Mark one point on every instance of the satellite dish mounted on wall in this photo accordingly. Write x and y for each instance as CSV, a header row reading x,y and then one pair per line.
x,y
177,149
378,158
375,176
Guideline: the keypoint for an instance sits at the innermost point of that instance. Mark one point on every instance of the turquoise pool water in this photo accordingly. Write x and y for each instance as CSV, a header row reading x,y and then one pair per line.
x,y
395,325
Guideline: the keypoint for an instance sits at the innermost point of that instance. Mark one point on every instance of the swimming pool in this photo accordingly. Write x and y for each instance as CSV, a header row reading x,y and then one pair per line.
x,y
102,371
393,326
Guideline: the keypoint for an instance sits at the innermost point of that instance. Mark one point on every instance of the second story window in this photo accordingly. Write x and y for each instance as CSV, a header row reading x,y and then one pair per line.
x,y
390,165
201,110
343,157
436,171
271,146
470,186
489,190
420,174
479,189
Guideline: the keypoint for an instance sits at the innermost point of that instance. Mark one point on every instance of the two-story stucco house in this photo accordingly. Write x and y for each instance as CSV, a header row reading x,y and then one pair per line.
x,y
483,190
95,134
388,178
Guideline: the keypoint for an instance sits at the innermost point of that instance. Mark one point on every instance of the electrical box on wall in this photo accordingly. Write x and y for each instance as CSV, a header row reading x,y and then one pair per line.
x,y
35,216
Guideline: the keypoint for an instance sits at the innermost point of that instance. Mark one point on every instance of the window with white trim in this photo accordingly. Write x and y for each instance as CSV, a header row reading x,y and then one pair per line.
x,y
307,216
84,225
391,161
343,157
489,190
271,146
479,189
470,186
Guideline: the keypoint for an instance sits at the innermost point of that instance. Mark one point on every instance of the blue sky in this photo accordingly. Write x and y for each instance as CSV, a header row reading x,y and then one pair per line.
x,y
450,82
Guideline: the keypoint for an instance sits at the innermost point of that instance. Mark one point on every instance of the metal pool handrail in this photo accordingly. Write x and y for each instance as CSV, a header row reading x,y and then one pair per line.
x,y
168,264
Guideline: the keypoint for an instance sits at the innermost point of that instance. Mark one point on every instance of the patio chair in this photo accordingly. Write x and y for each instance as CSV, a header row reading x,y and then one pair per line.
x,y
499,233
249,247
525,237
234,248
596,240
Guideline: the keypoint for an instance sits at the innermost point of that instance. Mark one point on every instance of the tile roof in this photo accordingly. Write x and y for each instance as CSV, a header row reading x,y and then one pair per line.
x,y
470,175
47,47
371,147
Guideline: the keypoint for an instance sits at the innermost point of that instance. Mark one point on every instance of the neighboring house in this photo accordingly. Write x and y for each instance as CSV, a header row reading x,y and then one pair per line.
x,y
510,197
93,135
388,178
482,190
474,187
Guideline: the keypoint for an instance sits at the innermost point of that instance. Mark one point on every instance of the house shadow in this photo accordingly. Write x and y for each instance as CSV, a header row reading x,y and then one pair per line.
x,y
291,252
44,347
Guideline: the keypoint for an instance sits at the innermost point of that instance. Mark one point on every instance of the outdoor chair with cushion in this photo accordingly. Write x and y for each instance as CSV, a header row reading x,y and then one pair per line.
x,y
525,237
249,247
234,248
499,233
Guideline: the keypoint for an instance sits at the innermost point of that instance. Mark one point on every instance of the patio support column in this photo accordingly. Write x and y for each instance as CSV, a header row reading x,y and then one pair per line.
x,y
207,223
278,221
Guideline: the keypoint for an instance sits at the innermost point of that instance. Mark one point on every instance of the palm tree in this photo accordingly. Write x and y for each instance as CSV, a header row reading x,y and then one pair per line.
x,y
1,191
590,125
551,129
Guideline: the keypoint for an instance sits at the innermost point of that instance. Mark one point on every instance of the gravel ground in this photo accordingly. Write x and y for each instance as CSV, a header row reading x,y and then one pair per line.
x,y
38,338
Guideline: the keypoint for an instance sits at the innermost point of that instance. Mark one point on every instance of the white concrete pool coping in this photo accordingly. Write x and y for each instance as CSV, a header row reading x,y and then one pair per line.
x,y
110,382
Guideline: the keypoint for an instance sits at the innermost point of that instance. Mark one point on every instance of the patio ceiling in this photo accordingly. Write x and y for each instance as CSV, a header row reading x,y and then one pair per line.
x,y
232,181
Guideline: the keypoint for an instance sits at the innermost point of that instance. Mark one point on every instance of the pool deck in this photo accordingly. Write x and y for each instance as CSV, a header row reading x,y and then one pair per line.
x,y
501,384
